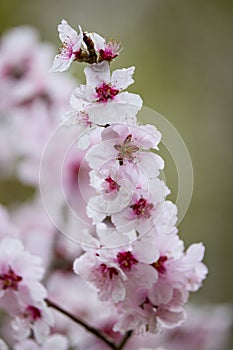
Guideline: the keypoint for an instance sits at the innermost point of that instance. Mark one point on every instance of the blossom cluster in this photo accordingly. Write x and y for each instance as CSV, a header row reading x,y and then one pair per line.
x,y
137,259
131,255
22,294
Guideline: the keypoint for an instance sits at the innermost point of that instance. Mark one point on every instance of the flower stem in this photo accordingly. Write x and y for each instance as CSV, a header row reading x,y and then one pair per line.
x,y
82,323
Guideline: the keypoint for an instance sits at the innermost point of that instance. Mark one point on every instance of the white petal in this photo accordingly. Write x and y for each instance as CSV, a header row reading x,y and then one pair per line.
x,y
155,135
93,213
161,293
145,251
65,30
118,293
171,318
122,78
101,154
97,73
144,276
82,94
151,164
60,64
129,98
98,40
113,111
195,252
79,42
56,341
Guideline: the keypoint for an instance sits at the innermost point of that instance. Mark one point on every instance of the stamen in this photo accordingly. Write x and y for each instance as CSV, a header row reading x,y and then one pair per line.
x,y
142,208
159,264
126,150
112,186
106,92
10,280
126,260
110,271
33,313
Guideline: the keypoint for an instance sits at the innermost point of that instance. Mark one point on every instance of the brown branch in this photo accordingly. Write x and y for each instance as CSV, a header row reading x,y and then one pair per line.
x,y
124,340
82,323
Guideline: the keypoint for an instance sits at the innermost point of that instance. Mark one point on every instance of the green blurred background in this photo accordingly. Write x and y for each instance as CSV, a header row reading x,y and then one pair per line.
x,y
183,53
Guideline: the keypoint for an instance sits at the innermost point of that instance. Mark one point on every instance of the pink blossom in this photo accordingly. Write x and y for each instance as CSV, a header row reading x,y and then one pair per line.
x,y
114,187
160,305
128,144
144,209
109,51
105,51
20,275
36,318
69,290
85,47
113,271
102,98
104,274
71,46
206,327
195,271
131,255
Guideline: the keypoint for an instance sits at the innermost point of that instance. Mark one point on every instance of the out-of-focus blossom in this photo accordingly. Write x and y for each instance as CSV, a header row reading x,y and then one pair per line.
x,y
205,328
3,345
55,341
32,102
36,318
20,276
62,288
35,229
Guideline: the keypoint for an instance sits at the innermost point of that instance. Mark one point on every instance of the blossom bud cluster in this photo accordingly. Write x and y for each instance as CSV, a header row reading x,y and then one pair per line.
x,y
136,259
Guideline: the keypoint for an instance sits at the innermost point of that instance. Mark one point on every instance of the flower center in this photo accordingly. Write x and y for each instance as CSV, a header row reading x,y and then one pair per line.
x,y
33,313
142,208
126,260
110,52
108,271
66,50
159,264
106,92
10,280
112,185
126,150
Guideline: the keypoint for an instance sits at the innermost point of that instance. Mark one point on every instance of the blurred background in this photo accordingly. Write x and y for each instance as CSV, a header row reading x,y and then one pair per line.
x,y
183,55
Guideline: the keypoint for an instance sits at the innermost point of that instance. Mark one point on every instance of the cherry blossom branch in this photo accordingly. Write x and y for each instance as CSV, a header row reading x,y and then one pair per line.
x,y
124,340
82,323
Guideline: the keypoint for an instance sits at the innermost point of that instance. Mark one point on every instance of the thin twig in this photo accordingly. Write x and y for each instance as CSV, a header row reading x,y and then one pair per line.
x,y
90,329
124,340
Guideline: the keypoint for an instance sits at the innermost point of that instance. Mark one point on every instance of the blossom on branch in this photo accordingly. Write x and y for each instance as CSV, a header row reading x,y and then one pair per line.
x,y
102,100
82,47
